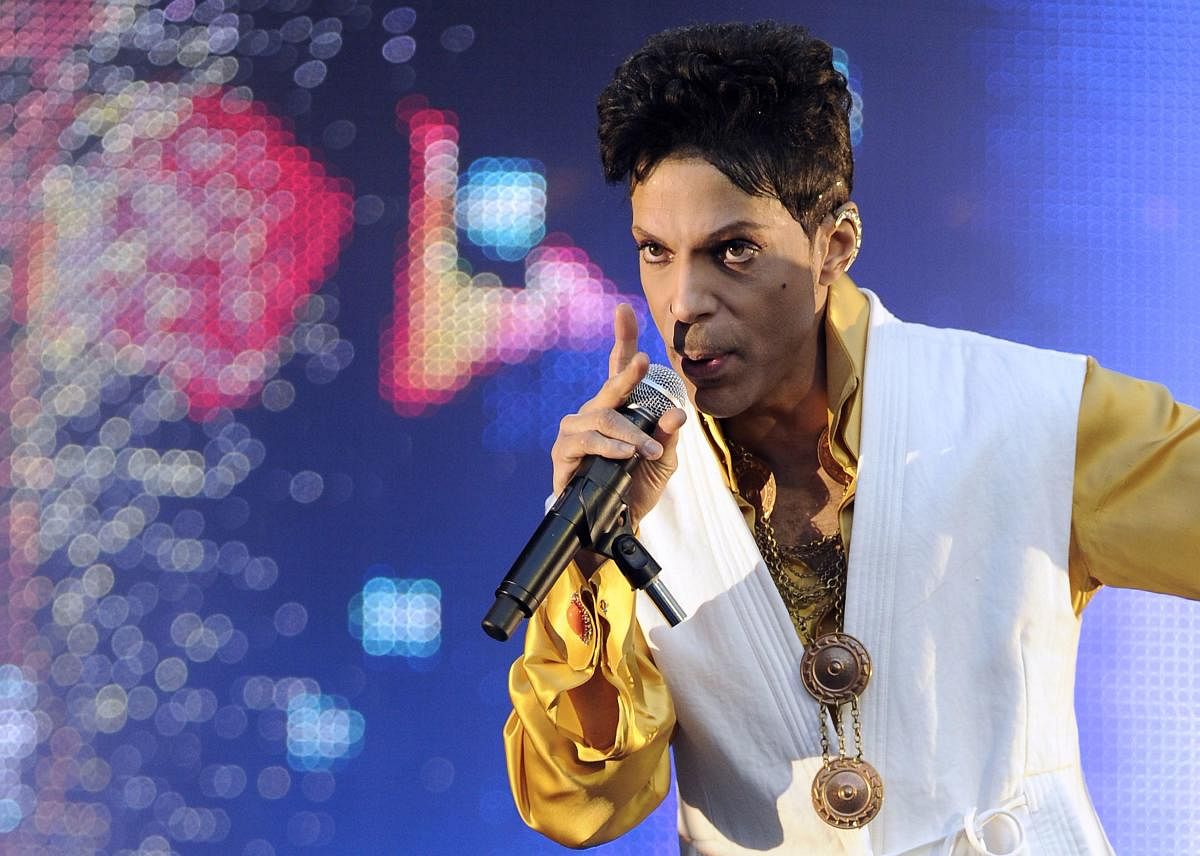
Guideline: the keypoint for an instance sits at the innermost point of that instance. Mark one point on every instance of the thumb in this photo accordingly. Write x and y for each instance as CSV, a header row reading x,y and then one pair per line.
x,y
667,432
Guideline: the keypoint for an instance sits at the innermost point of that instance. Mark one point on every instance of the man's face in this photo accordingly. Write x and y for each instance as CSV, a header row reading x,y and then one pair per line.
x,y
731,280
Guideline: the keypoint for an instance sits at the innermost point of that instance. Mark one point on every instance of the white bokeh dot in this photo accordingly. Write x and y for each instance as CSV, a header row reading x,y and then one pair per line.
x,y
399,49
306,486
274,782
437,775
291,619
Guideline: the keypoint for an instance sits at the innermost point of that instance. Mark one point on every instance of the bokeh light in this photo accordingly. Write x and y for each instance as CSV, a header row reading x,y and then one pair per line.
x,y
399,49
458,38
502,206
162,235
841,61
398,617
399,20
253,223
450,325
322,730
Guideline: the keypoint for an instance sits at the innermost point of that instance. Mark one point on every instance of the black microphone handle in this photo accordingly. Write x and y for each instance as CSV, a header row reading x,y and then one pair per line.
x,y
554,544
586,509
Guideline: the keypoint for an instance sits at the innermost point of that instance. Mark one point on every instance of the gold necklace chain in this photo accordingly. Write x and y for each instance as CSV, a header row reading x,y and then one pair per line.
x,y
824,558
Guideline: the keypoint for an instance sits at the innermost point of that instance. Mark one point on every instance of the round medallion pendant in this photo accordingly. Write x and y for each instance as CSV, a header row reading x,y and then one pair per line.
x,y
835,668
847,793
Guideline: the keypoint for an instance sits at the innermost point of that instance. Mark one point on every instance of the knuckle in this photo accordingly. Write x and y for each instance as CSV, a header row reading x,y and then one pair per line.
x,y
620,449
620,380
611,421
591,443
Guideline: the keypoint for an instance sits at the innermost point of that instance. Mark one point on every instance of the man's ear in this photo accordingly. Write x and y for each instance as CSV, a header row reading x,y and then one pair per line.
x,y
845,240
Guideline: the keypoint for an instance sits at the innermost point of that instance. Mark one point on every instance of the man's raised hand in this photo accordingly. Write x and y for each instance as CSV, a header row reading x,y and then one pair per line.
x,y
598,429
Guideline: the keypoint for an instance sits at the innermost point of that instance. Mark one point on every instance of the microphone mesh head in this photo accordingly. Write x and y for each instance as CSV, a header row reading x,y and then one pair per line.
x,y
659,391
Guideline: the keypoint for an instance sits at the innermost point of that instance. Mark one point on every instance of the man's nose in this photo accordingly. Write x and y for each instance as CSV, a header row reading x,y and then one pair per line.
x,y
692,295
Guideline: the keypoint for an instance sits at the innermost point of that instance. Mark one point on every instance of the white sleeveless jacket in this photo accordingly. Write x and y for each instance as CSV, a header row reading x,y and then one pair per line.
x,y
957,586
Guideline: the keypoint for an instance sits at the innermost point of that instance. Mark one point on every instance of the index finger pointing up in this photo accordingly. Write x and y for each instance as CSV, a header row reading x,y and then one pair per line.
x,y
625,335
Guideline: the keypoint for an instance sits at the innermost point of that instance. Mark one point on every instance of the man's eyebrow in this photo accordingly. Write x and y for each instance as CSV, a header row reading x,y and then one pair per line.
x,y
721,233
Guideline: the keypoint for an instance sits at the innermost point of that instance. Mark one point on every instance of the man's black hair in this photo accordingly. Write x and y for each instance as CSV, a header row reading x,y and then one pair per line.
x,y
761,102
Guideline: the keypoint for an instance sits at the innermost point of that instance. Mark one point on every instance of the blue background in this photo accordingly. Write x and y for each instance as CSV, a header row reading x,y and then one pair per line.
x,y
1029,170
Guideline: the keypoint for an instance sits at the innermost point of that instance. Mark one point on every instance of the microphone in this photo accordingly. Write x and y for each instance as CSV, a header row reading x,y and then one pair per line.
x,y
588,513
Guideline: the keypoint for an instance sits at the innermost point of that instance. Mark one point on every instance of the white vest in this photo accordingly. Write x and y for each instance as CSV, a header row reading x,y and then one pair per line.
x,y
957,586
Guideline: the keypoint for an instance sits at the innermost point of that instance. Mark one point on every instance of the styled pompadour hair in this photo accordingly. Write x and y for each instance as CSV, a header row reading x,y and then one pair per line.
x,y
761,102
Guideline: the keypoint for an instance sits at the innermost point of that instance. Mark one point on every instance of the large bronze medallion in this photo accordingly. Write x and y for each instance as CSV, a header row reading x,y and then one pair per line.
x,y
847,793
835,668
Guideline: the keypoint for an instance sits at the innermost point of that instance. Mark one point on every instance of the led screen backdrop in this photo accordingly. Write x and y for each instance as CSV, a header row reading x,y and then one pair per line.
x,y
294,293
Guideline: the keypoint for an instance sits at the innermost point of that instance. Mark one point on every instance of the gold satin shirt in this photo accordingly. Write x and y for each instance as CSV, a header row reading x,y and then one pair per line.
x,y
1137,460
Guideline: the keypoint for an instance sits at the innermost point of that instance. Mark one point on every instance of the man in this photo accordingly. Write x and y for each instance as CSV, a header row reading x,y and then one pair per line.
x,y
883,534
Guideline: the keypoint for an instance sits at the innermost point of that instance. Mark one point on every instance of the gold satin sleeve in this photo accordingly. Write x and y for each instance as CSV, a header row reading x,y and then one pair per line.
x,y
1136,516
572,784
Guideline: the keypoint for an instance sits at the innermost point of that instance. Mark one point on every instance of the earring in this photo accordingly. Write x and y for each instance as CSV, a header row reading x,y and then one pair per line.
x,y
849,212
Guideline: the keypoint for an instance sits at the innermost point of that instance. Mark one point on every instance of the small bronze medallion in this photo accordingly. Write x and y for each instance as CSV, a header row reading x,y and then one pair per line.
x,y
847,793
579,619
835,668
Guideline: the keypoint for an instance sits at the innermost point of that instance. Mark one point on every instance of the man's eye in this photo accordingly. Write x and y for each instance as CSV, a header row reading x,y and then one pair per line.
x,y
738,252
651,252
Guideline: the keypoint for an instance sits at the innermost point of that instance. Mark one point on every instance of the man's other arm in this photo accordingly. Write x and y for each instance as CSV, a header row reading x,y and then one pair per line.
x,y
1136,516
